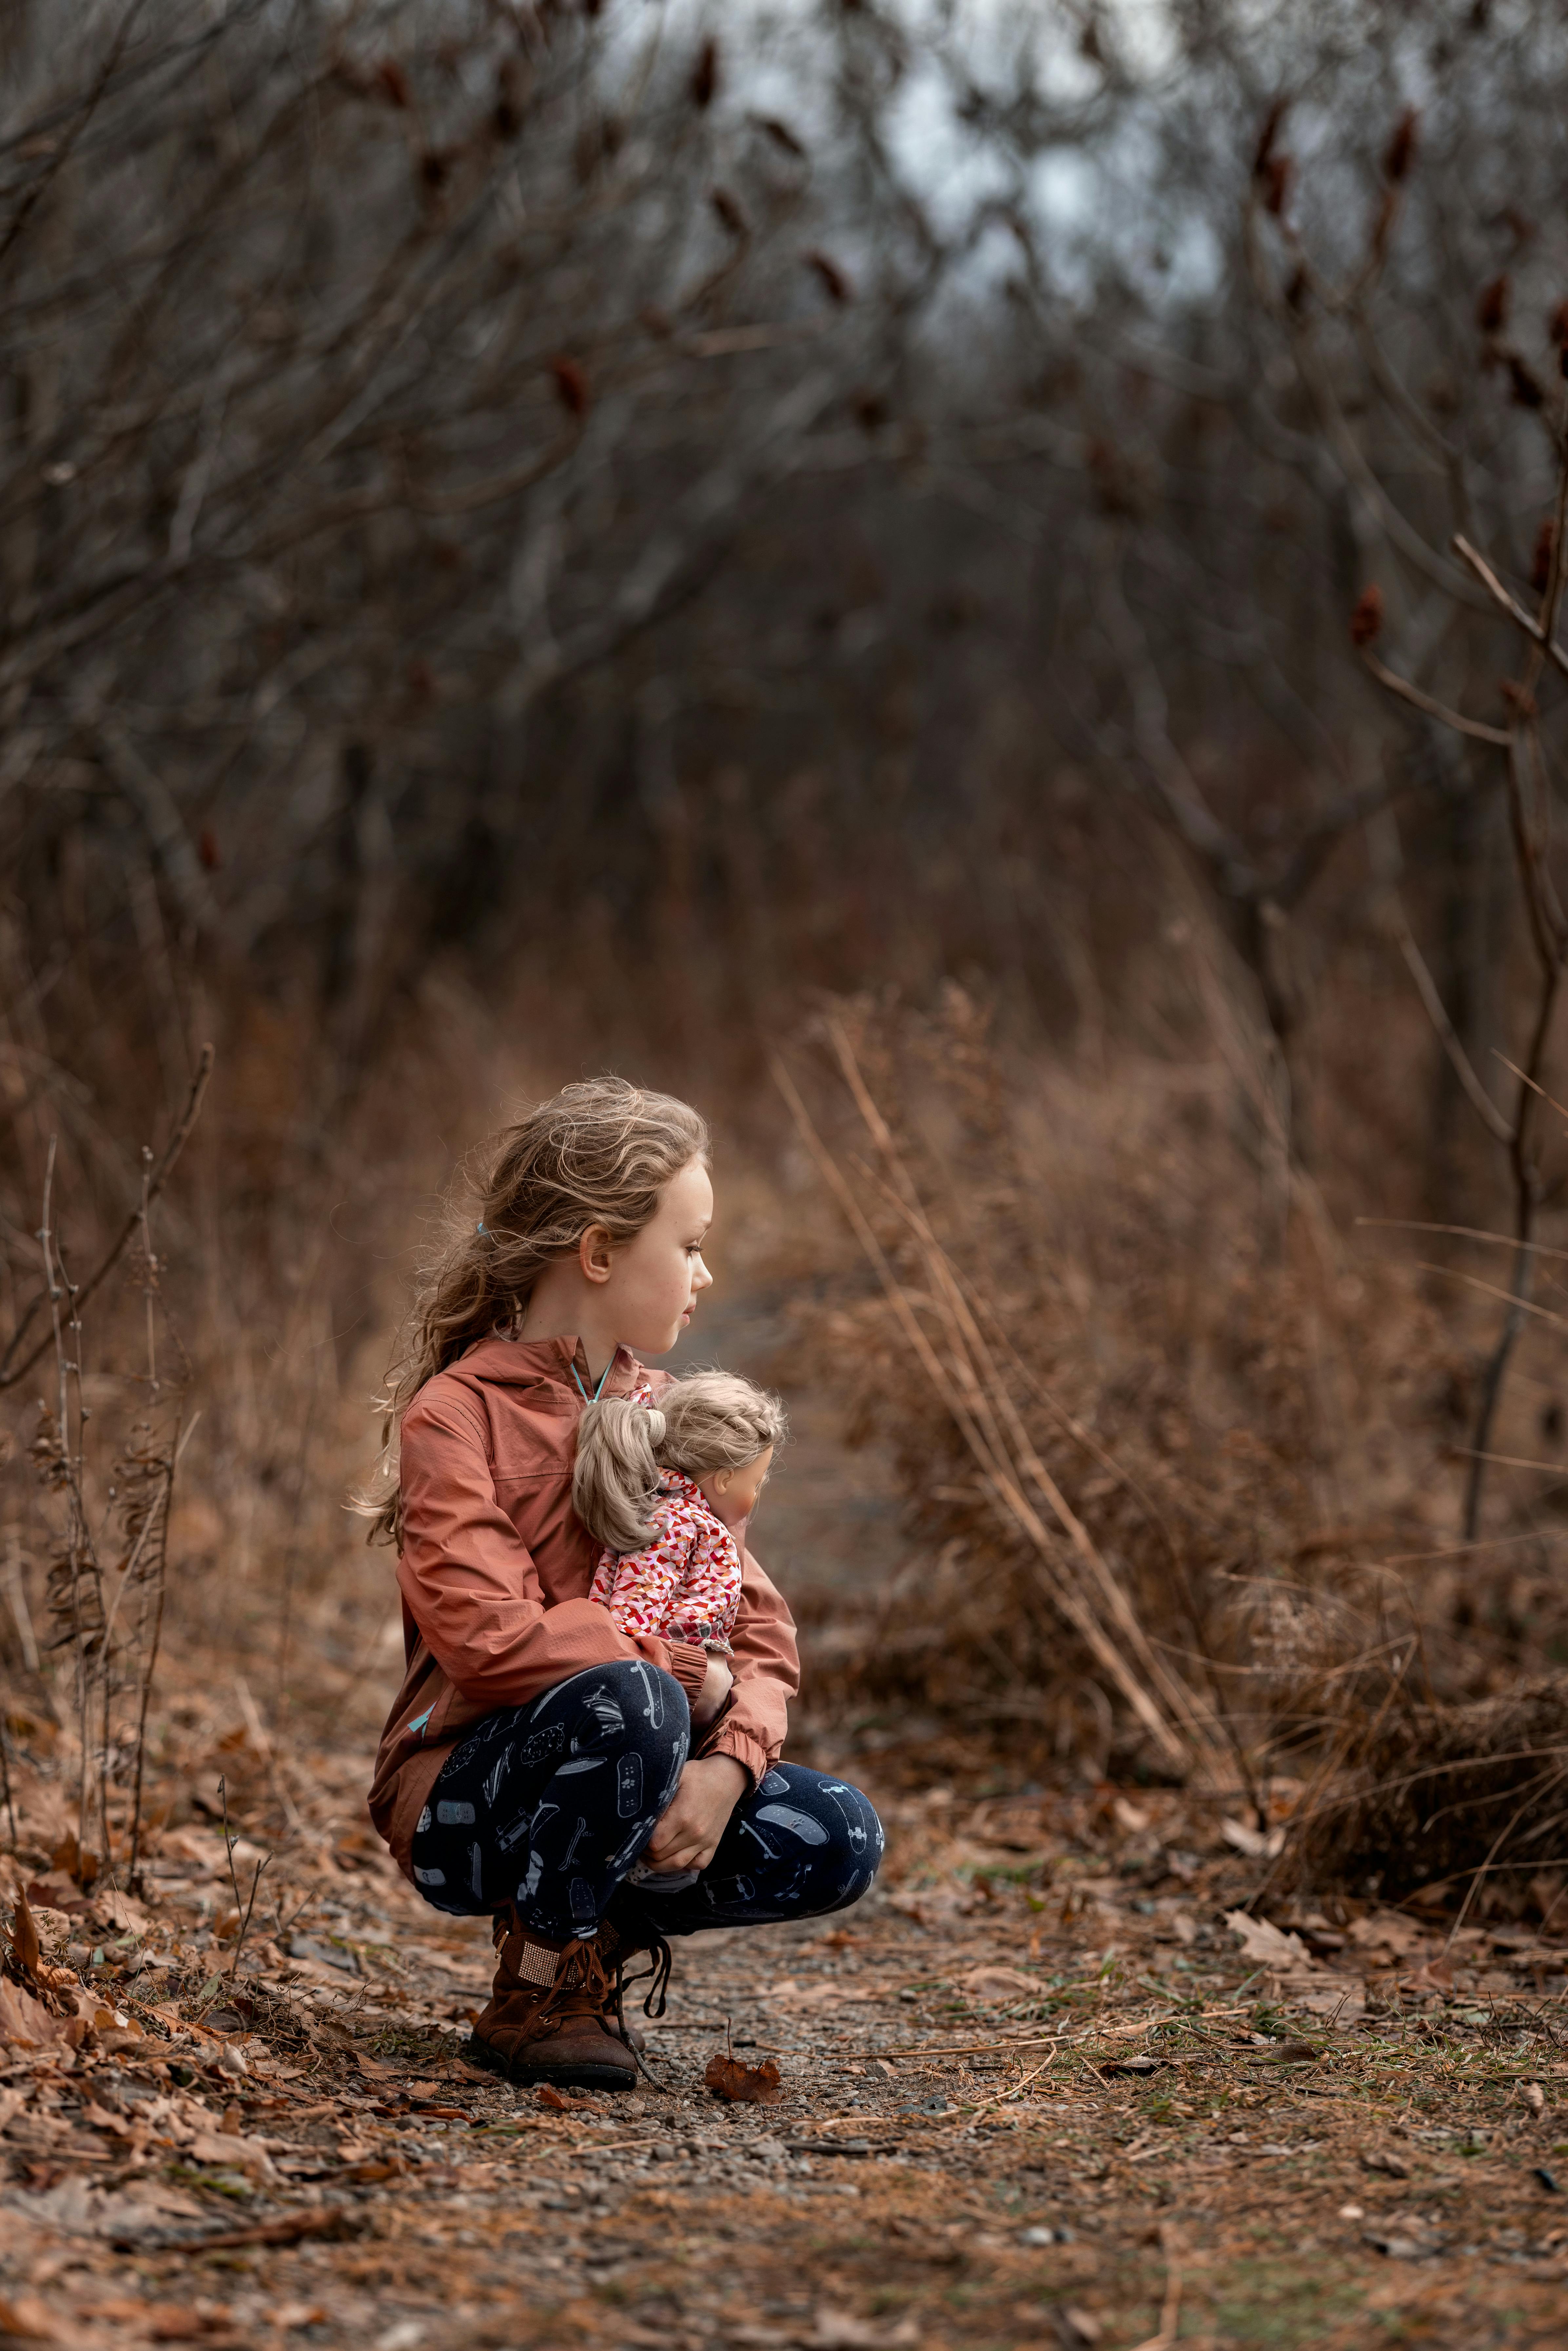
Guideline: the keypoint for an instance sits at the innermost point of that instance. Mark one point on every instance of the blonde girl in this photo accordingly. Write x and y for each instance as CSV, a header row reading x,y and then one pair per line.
x,y
537,1751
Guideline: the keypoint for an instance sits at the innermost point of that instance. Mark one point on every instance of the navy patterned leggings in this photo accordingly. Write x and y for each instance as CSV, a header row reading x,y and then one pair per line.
x,y
549,1806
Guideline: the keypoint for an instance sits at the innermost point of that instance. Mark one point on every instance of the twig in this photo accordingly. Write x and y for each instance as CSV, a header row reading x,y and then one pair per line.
x,y
5,1779
1000,1480
1170,2313
1532,628
11,1373
239,1903
1473,727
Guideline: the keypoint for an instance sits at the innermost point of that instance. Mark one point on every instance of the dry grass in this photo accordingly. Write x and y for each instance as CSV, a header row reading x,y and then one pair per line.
x,y
1210,1414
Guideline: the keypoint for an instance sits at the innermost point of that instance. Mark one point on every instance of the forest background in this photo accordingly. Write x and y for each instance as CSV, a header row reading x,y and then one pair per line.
x,y
972,587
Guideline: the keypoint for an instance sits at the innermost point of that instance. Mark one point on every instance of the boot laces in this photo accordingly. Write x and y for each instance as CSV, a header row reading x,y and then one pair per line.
x,y
657,1978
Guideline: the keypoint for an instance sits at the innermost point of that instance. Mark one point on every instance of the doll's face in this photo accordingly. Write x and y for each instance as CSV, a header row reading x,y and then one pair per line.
x,y
731,1494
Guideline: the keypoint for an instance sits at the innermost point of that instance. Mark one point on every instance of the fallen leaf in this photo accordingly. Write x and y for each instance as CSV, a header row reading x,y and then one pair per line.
x,y
24,2316
1296,2053
553,2100
24,1935
229,2152
1379,2158
165,2322
1341,2001
1386,1930
1262,1941
1534,2096
751,2085
122,1910
838,2330
1081,2325
1257,1844
25,2020
1127,1816
1401,2248
999,1983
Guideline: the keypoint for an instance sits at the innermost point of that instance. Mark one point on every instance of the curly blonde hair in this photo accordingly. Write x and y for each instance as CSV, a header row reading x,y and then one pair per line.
x,y
598,1153
708,1421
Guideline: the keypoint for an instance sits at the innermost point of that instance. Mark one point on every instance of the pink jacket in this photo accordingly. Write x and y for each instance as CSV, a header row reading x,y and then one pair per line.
x,y
685,1581
494,1571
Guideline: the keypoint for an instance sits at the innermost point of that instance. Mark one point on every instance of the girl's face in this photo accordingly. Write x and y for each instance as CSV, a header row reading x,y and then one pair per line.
x,y
731,1494
656,1280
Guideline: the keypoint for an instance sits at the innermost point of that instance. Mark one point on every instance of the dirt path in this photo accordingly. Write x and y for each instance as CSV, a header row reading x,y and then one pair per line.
x,y
1034,2090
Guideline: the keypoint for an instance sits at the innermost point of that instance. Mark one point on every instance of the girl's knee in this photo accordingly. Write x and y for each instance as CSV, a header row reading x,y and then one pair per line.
x,y
831,1819
862,1840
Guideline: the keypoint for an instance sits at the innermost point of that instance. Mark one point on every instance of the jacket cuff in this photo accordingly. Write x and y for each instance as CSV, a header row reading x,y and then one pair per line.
x,y
729,1738
689,1664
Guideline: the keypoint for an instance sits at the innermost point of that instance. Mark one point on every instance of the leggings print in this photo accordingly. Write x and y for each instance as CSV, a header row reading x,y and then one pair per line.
x,y
549,1806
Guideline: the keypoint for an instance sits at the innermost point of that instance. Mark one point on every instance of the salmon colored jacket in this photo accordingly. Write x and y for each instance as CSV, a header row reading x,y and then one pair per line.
x,y
494,1569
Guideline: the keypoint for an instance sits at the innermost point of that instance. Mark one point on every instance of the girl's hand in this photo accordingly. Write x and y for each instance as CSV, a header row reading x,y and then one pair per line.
x,y
687,1837
718,1683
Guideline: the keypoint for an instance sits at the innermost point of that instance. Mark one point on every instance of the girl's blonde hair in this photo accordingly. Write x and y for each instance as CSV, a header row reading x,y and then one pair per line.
x,y
598,1153
708,1421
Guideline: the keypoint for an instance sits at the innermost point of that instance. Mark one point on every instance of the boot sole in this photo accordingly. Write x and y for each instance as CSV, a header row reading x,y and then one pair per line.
x,y
560,2075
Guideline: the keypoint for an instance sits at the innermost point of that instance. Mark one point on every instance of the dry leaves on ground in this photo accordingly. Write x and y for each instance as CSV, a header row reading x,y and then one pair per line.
x,y
748,2086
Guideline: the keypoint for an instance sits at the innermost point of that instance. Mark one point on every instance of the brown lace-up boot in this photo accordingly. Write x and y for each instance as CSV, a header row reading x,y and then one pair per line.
x,y
553,2014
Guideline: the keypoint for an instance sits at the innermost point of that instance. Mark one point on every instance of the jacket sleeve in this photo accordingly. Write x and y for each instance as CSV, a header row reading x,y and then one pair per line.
x,y
473,1590
767,1669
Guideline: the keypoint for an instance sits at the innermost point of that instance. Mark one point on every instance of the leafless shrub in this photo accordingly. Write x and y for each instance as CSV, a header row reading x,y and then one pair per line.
x,y
106,1523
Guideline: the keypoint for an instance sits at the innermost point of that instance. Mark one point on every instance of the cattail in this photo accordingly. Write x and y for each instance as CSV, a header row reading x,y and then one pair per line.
x,y
1275,179
506,116
1401,150
393,83
780,134
1491,310
1264,154
1524,385
729,211
207,849
705,75
571,386
1366,621
838,285
1541,567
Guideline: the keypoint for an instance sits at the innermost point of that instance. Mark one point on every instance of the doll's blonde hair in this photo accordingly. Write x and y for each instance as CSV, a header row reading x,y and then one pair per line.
x,y
708,1421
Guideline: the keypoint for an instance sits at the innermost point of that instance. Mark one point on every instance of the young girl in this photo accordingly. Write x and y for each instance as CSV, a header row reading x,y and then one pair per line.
x,y
537,1751
662,1488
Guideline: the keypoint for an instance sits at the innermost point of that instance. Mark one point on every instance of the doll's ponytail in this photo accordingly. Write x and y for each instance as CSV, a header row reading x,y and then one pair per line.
x,y
616,1478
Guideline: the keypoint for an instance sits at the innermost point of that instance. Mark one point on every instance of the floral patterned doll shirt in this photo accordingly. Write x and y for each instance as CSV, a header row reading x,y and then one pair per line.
x,y
684,1584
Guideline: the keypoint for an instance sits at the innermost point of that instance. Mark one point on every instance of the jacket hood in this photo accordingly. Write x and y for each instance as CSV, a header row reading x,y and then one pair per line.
x,y
525,1362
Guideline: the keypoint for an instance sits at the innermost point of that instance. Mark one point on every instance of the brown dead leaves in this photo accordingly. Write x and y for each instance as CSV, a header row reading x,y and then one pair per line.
x,y
25,2021
554,2101
750,2086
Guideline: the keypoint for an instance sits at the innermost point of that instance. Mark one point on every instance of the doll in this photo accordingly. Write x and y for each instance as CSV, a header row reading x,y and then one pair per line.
x,y
661,1488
